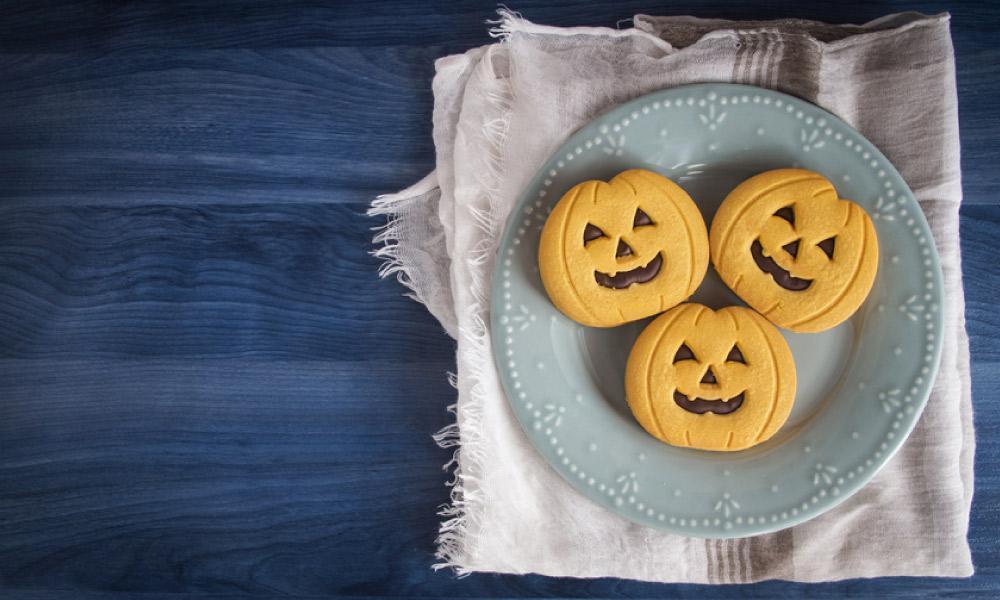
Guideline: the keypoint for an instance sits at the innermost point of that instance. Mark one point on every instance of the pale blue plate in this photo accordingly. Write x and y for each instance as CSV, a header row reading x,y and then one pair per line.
x,y
862,385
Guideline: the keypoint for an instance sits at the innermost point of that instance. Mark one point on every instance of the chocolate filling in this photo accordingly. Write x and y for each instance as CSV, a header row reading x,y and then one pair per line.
x,y
827,246
780,276
626,278
700,406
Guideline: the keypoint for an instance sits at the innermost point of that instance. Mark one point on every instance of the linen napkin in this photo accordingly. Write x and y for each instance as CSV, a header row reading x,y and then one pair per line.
x,y
500,111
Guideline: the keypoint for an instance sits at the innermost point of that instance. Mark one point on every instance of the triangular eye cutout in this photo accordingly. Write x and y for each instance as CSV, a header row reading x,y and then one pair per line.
x,y
641,219
735,355
683,353
592,232
787,213
827,246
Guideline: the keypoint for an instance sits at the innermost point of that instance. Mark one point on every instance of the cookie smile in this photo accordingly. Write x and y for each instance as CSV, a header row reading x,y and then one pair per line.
x,y
700,406
780,275
626,278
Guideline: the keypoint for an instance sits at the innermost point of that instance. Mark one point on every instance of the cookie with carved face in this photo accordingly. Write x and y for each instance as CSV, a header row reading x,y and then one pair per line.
x,y
618,251
713,380
790,247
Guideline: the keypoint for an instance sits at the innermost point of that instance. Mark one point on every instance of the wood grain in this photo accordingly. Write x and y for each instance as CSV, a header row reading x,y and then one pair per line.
x,y
217,476
277,281
980,230
217,126
205,391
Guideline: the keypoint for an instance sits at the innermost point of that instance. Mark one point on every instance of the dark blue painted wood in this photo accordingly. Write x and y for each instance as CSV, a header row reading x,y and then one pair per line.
x,y
275,281
221,126
204,389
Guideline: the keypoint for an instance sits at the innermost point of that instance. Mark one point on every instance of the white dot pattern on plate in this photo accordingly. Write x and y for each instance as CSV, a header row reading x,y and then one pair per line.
x,y
891,207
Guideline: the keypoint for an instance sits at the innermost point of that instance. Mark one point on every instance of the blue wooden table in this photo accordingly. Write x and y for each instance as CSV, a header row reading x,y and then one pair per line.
x,y
205,391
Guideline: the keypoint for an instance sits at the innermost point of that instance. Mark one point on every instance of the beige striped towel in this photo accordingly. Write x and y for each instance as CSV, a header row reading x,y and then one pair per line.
x,y
500,111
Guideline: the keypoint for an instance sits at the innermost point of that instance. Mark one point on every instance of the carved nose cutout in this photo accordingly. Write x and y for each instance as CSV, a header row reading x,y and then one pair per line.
x,y
623,249
792,248
709,377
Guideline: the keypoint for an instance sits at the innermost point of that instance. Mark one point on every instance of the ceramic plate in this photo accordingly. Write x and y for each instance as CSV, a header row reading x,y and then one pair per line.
x,y
861,385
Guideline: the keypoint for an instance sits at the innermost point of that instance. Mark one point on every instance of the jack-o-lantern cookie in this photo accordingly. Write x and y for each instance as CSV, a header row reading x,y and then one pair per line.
x,y
712,380
618,251
792,249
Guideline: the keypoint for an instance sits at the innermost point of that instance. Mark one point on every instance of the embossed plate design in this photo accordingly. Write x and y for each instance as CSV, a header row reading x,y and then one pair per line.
x,y
862,385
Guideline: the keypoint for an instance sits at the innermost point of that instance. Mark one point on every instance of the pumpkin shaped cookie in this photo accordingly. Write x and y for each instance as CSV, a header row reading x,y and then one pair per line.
x,y
618,251
712,380
786,244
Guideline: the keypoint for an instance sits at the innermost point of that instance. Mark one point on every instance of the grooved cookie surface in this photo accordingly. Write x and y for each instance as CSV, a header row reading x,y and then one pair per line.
x,y
618,251
712,380
786,244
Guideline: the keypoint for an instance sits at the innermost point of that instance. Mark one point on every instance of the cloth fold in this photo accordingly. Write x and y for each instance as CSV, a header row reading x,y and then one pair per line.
x,y
501,110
